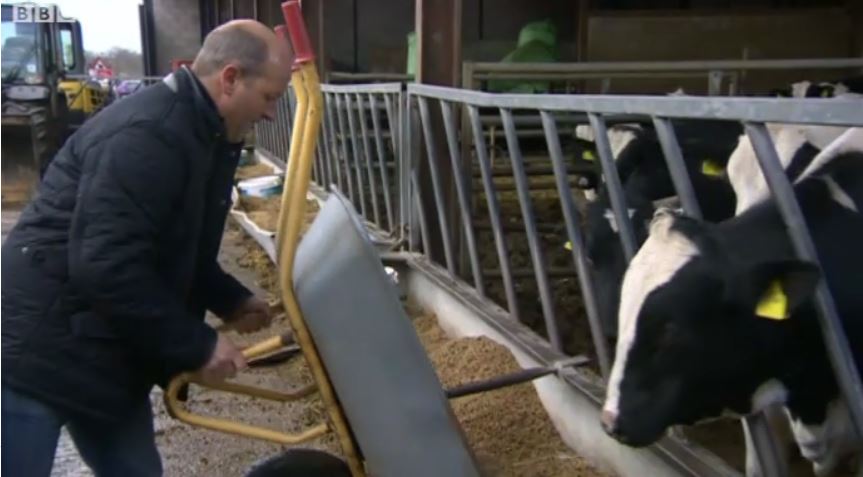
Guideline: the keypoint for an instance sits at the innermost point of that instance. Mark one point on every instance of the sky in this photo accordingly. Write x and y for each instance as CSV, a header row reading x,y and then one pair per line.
x,y
104,23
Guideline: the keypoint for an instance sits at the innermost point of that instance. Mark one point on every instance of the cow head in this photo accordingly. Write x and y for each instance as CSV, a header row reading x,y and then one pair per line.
x,y
687,345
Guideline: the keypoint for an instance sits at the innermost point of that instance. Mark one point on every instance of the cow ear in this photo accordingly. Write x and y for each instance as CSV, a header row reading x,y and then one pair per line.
x,y
774,290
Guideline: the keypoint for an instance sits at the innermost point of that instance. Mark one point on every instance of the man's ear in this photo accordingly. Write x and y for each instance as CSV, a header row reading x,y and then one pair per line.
x,y
230,75
776,289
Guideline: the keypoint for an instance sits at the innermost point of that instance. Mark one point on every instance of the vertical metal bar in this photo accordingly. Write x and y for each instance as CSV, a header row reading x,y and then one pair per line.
x,y
571,217
399,134
367,152
258,128
324,147
676,166
461,191
320,178
615,190
838,349
420,212
273,136
268,138
315,173
394,125
333,144
714,83
286,127
769,461
355,149
260,136
408,166
382,160
280,131
494,212
537,257
431,152
395,115
290,108
343,140
276,134
323,178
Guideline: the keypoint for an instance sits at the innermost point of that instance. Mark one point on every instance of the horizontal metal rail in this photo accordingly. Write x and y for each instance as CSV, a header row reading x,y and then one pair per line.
x,y
836,112
379,88
488,70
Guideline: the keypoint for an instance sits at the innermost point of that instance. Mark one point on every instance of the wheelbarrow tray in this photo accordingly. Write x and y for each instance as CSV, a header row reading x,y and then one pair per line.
x,y
384,381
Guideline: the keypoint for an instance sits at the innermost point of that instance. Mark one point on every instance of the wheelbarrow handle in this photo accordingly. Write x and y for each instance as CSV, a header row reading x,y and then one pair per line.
x,y
268,345
177,411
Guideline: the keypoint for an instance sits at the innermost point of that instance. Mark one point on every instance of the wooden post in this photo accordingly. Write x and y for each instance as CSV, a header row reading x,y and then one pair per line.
x,y
439,47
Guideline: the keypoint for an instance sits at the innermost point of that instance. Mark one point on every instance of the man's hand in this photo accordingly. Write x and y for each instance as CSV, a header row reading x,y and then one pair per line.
x,y
252,315
225,361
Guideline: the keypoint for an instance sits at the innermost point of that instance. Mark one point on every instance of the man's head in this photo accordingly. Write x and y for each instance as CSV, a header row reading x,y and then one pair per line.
x,y
245,67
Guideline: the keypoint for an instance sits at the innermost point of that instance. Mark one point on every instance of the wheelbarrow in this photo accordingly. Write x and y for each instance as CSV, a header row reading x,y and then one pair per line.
x,y
383,399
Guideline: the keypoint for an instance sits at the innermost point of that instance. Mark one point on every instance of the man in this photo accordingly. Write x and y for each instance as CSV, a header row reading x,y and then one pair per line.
x,y
111,266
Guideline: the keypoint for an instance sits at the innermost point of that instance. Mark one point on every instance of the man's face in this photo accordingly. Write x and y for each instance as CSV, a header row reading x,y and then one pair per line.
x,y
249,99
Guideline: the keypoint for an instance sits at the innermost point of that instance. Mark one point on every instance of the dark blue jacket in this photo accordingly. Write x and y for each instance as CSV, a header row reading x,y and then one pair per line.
x,y
108,272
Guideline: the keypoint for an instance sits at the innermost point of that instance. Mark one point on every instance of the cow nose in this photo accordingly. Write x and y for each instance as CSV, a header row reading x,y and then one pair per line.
x,y
608,419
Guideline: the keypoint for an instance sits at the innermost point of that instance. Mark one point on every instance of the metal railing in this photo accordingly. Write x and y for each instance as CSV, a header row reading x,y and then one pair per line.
x,y
273,138
377,139
719,74
753,113
360,148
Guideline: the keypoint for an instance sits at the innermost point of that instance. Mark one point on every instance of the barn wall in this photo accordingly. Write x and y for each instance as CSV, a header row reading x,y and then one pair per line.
x,y
491,32
176,32
382,33
668,36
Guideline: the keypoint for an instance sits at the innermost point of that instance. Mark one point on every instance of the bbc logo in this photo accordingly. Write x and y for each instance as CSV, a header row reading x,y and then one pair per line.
x,y
33,13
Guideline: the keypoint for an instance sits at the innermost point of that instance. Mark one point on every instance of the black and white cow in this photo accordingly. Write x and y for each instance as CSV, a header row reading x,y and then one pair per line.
x,y
796,146
692,344
706,146
822,89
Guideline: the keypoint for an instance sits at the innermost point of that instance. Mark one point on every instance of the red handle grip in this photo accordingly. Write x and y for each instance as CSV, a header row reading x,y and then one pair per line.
x,y
282,34
297,30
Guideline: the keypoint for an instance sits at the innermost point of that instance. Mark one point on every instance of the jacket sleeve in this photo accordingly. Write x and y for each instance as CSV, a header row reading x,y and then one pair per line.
x,y
220,291
130,187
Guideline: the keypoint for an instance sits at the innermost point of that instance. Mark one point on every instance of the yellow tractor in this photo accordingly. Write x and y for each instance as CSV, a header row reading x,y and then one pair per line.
x,y
45,97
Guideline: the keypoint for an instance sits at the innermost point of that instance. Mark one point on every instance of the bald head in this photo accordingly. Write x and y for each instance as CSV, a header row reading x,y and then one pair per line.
x,y
248,44
245,68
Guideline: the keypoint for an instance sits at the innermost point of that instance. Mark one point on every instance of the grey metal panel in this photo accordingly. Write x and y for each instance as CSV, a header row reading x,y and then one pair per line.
x,y
362,88
840,112
381,374
696,65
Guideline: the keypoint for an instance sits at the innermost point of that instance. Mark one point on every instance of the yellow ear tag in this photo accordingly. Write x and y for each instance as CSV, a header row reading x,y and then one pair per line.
x,y
774,303
588,156
568,245
711,168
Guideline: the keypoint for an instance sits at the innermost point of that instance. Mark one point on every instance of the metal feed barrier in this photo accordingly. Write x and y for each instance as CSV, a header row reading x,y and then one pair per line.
x,y
721,76
376,164
360,149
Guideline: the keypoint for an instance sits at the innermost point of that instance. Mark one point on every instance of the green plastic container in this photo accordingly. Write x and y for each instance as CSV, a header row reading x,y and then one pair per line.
x,y
537,43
